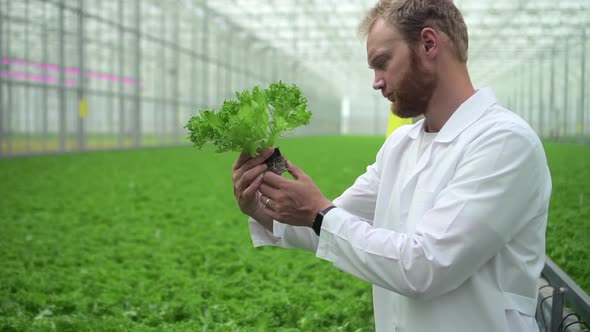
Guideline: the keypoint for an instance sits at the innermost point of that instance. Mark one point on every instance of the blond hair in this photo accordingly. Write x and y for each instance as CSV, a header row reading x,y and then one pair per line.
x,y
411,16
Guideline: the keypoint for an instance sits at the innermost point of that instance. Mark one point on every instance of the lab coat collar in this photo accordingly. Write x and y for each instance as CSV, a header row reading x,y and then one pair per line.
x,y
462,118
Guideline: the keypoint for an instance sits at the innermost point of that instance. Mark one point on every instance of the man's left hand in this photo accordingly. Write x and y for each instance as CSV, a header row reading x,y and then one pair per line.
x,y
294,202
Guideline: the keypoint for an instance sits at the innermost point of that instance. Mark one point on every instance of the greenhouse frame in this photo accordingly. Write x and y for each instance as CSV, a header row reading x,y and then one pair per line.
x,y
82,75
100,75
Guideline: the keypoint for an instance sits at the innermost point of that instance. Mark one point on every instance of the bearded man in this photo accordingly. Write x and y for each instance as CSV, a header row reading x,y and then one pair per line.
x,y
449,222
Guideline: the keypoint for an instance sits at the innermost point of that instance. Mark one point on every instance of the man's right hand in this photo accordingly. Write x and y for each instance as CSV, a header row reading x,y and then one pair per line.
x,y
246,175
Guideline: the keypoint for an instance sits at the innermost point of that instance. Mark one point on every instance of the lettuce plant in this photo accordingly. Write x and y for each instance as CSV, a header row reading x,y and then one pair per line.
x,y
252,122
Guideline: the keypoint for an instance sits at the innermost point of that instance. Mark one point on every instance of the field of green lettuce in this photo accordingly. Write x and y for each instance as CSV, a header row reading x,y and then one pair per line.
x,y
151,240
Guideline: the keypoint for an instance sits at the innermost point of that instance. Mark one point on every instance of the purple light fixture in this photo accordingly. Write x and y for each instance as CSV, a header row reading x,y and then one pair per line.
x,y
48,67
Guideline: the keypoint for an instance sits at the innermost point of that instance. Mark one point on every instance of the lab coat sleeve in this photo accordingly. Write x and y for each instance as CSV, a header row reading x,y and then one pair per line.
x,y
358,200
501,183
283,235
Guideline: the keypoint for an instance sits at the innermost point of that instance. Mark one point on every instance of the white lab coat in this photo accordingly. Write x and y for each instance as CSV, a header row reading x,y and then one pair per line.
x,y
452,242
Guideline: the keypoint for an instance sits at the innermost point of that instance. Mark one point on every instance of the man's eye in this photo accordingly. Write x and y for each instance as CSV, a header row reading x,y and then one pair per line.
x,y
381,64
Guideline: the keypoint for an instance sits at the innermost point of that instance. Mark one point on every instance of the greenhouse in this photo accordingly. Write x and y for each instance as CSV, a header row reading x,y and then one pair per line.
x,y
111,219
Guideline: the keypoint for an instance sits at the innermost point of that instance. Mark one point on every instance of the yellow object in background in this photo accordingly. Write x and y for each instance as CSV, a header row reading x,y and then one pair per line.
x,y
395,121
83,108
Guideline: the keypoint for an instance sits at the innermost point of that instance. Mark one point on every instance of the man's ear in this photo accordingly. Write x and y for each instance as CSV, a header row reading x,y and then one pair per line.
x,y
429,40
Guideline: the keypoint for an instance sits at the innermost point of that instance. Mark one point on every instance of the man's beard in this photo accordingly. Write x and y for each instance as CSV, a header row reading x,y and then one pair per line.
x,y
416,90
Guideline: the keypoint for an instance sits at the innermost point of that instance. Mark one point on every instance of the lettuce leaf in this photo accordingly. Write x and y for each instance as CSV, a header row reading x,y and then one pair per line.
x,y
256,120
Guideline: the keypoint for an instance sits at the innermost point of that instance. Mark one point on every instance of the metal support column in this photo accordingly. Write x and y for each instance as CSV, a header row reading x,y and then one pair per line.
x,y
541,95
206,64
193,78
62,88
156,77
176,74
299,16
219,77
9,88
82,103
557,302
107,104
137,109
2,152
583,84
112,127
163,67
531,96
220,56
246,80
27,100
522,98
553,115
229,71
241,64
45,100
121,21
275,65
565,88
8,82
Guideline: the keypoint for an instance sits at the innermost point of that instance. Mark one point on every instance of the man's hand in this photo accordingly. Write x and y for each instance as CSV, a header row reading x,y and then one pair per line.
x,y
246,175
294,202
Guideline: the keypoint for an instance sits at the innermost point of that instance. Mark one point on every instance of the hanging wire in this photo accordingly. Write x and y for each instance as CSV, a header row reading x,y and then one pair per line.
x,y
574,323
541,310
564,319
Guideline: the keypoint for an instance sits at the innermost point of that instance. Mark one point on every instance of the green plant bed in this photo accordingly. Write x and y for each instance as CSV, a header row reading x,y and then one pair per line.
x,y
23,145
151,240
568,232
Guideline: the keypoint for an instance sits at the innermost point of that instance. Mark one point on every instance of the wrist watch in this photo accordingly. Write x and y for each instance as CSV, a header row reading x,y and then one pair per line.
x,y
319,218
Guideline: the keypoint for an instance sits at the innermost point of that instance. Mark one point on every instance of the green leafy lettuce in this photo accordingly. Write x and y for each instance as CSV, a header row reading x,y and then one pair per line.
x,y
254,121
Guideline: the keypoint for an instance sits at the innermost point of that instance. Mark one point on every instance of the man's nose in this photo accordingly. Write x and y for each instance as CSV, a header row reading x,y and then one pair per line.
x,y
378,83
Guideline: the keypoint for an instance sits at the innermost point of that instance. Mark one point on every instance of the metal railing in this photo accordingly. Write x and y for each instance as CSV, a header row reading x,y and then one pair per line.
x,y
562,305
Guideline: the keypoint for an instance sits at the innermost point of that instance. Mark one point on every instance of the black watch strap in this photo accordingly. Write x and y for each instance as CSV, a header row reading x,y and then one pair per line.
x,y
319,218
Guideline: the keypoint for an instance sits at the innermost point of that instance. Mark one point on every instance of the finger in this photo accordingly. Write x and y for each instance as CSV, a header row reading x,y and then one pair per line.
x,y
269,191
271,213
270,210
268,204
243,158
249,176
252,189
294,170
274,180
264,200
258,159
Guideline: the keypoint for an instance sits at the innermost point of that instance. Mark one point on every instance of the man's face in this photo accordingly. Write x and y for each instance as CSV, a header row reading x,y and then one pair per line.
x,y
399,72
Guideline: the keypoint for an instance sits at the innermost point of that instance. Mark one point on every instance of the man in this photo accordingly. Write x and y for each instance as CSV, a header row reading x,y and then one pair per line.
x,y
395,121
448,224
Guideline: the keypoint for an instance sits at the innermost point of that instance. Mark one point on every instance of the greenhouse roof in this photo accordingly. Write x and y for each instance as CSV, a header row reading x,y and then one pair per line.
x,y
322,34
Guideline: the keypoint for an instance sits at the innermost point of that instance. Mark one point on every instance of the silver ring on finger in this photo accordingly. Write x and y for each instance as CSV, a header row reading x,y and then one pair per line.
x,y
266,202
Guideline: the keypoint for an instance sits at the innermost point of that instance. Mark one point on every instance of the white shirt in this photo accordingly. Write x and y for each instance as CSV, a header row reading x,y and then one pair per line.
x,y
425,141
452,243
